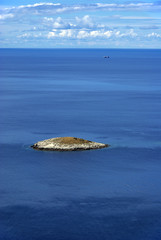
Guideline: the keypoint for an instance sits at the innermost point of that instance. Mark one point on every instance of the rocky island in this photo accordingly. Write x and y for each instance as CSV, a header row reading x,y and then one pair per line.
x,y
67,144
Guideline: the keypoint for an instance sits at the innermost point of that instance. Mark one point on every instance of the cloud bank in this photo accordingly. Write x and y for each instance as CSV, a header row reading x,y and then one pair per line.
x,y
84,34
121,24
56,8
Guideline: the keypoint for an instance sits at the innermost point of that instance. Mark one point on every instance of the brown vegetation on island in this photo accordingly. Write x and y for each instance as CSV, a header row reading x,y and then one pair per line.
x,y
67,144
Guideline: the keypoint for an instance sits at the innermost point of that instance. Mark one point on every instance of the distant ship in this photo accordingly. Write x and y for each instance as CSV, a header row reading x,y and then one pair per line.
x,y
106,57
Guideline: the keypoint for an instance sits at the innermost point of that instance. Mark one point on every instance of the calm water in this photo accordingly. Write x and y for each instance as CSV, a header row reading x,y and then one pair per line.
x,y
106,194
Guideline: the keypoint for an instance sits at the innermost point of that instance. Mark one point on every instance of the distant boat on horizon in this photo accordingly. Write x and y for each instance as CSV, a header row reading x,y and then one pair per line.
x,y
106,57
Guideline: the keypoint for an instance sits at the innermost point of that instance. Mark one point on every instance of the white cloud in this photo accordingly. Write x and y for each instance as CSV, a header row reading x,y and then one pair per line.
x,y
129,33
30,35
59,23
101,33
35,5
6,16
108,34
54,8
24,35
47,19
83,34
85,21
51,35
66,33
125,6
154,35
95,33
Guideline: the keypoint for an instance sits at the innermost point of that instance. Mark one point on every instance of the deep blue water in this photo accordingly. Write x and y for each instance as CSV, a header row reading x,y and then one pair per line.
x,y
112,193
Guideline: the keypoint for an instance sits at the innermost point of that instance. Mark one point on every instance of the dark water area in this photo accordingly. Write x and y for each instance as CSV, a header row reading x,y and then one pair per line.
x,y
112,193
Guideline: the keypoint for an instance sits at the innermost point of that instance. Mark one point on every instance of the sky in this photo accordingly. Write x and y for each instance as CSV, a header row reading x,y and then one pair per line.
x,y
80,24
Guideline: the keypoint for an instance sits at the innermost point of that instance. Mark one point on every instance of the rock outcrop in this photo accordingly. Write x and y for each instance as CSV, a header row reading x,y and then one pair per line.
x,y
67,144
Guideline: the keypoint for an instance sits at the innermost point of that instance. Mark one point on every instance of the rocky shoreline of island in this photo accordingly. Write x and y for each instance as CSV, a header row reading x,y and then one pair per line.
x,y
67,144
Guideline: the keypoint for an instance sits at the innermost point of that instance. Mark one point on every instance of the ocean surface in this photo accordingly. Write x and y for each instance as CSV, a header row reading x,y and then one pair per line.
x,y
107,194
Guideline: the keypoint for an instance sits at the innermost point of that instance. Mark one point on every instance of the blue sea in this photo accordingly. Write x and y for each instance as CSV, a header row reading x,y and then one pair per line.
x,y
106,194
